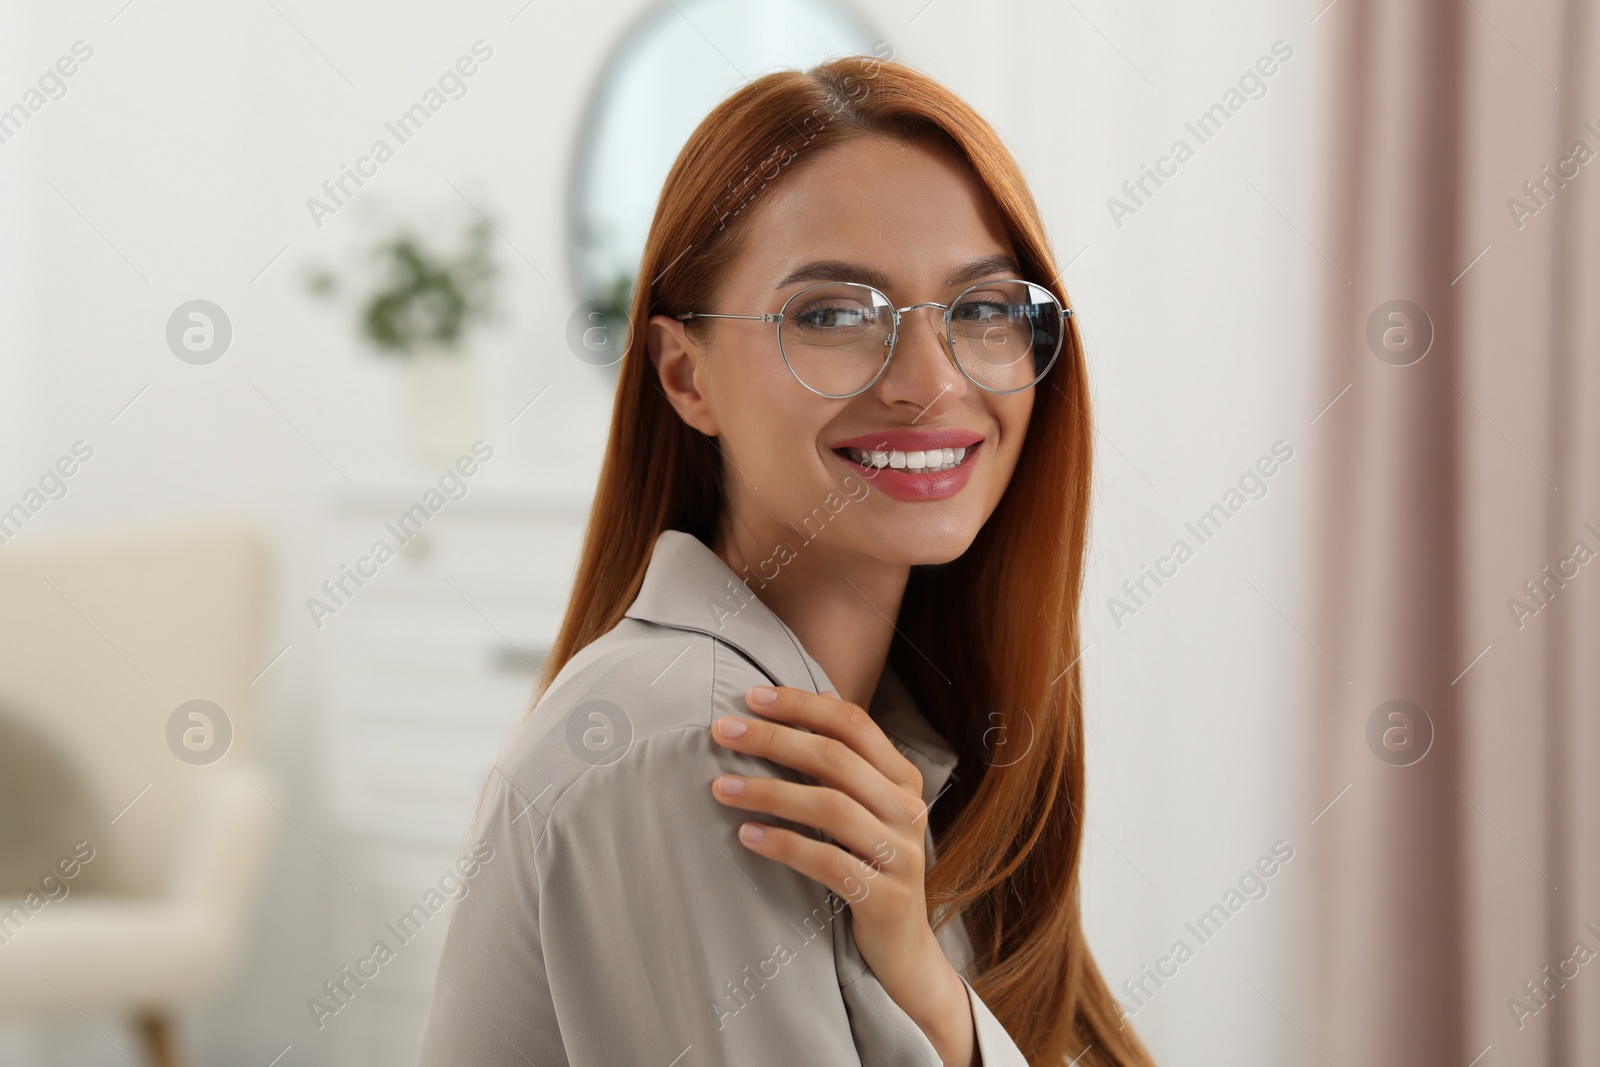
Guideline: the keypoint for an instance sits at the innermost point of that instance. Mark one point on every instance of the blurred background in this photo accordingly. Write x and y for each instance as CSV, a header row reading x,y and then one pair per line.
x,y
307,336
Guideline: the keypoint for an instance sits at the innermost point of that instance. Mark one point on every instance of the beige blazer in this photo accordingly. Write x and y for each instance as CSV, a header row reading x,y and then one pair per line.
x,y
617,921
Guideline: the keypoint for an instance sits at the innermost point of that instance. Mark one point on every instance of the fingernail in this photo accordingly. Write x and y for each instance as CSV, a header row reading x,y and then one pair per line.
x,y
729,726
730,785
763,695
751,832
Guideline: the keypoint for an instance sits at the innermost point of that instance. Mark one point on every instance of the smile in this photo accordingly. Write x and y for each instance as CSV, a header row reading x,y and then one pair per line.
x,y
928,461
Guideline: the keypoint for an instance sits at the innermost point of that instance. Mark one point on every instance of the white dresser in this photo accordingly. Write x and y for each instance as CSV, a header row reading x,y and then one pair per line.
x,y
424,670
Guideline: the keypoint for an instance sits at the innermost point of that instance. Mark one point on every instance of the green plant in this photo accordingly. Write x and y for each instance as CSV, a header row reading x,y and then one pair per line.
x,y
420,297
616,299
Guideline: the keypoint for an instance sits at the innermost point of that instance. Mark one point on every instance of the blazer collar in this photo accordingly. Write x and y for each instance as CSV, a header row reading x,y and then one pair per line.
x,y
688,586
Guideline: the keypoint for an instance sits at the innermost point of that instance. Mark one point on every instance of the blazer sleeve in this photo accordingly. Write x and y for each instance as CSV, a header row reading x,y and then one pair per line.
x,y
664,937
491,1002
629,926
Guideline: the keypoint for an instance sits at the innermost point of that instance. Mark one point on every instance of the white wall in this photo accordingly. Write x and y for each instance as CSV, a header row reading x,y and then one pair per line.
x,y
193,137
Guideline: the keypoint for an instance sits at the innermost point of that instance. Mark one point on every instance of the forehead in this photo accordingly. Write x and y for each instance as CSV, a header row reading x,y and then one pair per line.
x,y
913,212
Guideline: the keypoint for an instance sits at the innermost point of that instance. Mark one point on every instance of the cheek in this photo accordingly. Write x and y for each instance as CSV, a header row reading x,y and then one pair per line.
x,y
740,383
1012,414
770,421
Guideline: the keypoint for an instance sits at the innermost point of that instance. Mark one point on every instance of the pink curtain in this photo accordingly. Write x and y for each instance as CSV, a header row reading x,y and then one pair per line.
x,y
1456,790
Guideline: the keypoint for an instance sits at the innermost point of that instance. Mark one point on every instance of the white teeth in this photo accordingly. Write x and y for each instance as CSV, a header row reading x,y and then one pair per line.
x,y
928,461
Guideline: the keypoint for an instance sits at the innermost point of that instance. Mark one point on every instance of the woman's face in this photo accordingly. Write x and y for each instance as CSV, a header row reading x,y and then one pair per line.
x,y
913,220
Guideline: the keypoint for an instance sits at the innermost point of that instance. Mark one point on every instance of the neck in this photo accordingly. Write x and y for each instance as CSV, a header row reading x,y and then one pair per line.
x,y
842,606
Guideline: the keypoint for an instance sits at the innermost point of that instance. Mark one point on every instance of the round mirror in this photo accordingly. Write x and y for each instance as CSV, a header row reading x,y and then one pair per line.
x,y
673,66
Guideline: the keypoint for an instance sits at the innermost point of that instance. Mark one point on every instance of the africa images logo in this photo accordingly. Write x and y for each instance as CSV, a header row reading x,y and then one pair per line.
x,y
452,485
452,85
452,886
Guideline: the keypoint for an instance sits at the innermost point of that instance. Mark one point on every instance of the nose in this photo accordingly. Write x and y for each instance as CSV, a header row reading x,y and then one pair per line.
x,y
921,373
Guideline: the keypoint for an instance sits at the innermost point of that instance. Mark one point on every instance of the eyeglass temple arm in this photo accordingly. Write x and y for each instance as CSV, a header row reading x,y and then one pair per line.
x,y
710,315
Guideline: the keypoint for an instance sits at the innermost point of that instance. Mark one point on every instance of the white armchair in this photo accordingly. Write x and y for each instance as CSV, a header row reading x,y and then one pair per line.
x,y
101,640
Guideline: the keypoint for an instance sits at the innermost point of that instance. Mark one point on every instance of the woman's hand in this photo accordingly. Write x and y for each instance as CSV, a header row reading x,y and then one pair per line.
x,y
870,804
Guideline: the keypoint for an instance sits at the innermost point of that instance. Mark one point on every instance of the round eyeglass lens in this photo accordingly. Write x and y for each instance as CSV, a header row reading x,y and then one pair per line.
x,y
835,336
1005,335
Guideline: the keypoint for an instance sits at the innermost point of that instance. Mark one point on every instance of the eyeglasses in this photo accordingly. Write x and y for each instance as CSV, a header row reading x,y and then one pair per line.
x,y
837,338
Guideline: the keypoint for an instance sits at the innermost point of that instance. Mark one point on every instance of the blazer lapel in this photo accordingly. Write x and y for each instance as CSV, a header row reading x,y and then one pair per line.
x,y
688,586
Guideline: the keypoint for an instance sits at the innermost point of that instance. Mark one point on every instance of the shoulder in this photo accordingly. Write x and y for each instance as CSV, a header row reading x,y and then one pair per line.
x,y
635,698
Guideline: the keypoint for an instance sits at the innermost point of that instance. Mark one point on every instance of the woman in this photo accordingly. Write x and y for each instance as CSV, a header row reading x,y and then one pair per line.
x,y
829,592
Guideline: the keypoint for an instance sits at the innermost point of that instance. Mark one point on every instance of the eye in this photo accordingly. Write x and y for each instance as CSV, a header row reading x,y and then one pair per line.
x,y
834,315
983,308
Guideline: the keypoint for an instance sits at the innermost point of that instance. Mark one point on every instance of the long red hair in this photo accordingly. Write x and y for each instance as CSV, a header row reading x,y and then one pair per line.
x,y
1002,620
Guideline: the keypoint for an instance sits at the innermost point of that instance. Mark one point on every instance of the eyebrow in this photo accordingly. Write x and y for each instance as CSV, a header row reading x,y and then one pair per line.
x,y
833,270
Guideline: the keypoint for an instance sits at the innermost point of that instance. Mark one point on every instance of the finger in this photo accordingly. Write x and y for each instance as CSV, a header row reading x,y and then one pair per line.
x,y
836,814
843,721
829,864
828,760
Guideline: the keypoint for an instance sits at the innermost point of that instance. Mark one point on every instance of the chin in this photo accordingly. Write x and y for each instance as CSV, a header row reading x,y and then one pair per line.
x,y
918,541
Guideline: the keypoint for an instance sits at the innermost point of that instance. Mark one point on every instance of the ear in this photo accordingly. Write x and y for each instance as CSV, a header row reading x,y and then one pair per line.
x,y
682,366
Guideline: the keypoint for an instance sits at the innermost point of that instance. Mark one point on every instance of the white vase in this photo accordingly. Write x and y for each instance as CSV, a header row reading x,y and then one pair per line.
x,y
444,408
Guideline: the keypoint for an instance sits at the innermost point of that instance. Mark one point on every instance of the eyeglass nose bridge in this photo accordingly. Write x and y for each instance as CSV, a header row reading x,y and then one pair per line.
x,y
899,313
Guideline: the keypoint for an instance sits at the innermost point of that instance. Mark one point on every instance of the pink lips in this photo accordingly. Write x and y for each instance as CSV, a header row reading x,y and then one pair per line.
x,y
911,485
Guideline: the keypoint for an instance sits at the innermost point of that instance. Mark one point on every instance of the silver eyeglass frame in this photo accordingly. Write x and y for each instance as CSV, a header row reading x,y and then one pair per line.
x,y
894,332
